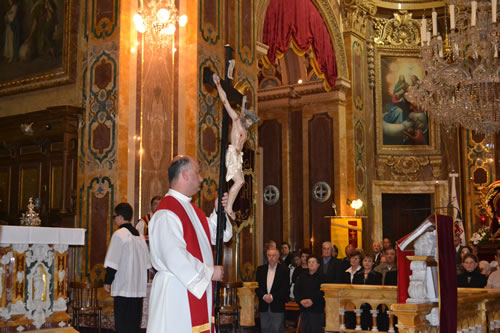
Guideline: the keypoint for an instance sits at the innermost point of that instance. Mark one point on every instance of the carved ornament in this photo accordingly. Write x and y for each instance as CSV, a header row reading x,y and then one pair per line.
x,y
489,197
407,168
401,30
356,15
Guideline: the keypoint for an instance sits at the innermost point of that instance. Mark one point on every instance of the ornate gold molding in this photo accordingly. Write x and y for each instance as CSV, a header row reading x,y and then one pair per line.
x,y
489,197
401,30
370,54
408,168
356,15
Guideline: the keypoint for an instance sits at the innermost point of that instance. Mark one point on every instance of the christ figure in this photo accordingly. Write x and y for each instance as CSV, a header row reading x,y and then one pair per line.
x,y
234,154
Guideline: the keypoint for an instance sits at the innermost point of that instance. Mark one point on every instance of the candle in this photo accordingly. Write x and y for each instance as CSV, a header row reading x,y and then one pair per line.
x,y
473,5
434,23
452,17
428,39
423,29
494,11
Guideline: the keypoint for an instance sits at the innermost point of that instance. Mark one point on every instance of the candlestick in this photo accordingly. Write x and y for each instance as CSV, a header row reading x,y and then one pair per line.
x,y
473,5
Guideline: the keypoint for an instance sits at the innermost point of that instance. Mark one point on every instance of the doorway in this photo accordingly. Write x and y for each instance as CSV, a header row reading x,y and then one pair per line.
x,y
403,213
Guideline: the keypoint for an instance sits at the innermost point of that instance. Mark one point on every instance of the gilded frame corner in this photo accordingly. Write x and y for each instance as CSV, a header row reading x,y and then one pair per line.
x,y
65,72
433,145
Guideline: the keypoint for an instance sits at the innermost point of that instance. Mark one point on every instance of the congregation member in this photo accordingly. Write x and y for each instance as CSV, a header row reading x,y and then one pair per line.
x,y
270,244
295,263
304,255
388,269
355,260
181,238
272,292
286,255
458,249
330,266
377,253
127,261
471,277
310,297
142,224
386,243
346,262
494,278
369,277
484,268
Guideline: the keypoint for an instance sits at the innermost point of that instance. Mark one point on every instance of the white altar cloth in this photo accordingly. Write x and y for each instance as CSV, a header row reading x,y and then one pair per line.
x,y
10,234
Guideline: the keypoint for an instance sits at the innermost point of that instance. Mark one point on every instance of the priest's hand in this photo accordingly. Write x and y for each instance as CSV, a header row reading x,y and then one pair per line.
x,y
225,196
107,287
218,274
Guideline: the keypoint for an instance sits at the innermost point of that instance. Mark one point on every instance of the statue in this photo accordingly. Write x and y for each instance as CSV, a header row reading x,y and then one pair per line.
x,y
234,154
38,285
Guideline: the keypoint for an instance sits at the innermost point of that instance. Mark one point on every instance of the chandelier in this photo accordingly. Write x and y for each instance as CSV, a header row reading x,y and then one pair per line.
x,y
461,84
158,21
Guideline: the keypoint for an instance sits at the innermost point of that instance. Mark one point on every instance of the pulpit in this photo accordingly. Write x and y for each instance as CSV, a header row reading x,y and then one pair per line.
x,y
33,276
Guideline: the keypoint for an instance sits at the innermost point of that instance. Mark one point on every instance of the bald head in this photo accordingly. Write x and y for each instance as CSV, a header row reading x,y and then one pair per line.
x,y
184,175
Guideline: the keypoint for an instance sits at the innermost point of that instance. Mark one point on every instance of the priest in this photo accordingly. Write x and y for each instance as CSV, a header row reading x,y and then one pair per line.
x,y
181,239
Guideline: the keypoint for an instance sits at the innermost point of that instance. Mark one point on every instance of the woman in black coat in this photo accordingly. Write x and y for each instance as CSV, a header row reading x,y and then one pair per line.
x,y
471,278
367,276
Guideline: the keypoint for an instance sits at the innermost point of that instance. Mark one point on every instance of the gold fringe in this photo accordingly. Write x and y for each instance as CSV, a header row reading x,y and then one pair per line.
x,y
201,328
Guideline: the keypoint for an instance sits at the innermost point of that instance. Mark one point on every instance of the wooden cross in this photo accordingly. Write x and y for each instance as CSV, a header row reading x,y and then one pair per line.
x,y
234,97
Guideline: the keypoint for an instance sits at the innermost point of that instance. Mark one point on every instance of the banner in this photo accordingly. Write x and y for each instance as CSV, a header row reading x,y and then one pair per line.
x,y
458,225
345,230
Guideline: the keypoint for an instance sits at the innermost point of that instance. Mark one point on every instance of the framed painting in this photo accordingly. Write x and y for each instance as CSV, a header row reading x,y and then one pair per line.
x,y
37,44
402,127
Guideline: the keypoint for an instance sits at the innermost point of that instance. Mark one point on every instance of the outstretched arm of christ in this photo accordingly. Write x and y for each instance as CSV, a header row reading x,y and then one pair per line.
x,y
223,98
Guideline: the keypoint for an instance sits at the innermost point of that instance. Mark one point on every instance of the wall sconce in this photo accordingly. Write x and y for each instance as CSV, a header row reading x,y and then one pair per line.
x,y
355,204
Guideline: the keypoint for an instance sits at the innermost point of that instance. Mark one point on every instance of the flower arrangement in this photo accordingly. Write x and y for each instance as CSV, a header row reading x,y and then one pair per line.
x,y
482,235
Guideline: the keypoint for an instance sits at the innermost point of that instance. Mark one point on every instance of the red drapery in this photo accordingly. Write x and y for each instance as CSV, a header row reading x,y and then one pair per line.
x,y
299,20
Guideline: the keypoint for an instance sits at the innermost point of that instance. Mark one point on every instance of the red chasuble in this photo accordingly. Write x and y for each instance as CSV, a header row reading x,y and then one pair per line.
x,y
200,320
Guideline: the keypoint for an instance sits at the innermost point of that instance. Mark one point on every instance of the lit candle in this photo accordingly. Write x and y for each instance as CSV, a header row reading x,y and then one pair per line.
x,y
494,11
473,6
452,17
434,23
423,28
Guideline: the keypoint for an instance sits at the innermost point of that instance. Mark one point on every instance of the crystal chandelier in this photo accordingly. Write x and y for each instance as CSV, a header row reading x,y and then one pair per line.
x,y
158,21
461,86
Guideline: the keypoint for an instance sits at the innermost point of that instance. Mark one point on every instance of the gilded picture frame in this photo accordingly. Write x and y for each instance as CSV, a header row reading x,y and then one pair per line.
x,y
401,127
38,44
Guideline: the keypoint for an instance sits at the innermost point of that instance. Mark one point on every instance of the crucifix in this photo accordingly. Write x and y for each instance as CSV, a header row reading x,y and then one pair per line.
x,y
233,96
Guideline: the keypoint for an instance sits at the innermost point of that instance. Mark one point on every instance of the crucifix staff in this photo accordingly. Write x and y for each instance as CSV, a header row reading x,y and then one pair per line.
x,y
232,96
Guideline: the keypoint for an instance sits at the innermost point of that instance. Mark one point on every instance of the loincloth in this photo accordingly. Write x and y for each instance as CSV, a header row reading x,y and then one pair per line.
x,y
234,162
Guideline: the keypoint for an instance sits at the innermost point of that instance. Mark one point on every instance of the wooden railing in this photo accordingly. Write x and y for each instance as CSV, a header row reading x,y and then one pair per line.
x,y
478,309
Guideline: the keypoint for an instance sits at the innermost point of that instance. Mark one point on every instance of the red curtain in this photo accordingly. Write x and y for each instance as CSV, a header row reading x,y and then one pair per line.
x,y
300,20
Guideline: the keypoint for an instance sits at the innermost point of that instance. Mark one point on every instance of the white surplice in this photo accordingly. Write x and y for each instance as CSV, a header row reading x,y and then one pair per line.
x,y
178,270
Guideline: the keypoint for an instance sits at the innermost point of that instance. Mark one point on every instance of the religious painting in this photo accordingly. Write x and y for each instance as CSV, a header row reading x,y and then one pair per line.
x,y
401,126
35,40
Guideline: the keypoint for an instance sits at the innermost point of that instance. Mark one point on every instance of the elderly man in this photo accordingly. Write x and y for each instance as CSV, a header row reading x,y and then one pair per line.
x,y
180,240
346,262
377,253
330,267
274,286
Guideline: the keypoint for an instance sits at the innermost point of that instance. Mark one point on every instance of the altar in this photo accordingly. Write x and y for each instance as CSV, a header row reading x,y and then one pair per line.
x,y
33,276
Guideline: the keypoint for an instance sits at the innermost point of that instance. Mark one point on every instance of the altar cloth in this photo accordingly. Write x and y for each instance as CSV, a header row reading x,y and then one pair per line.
x,y
10,234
